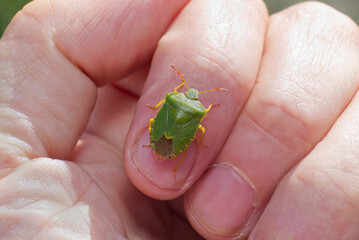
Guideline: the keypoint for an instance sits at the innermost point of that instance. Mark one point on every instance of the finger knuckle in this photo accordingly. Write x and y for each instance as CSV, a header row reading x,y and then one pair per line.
x,y
285,119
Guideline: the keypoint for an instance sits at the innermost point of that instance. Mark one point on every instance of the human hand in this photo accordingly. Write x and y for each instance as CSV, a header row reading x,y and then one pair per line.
x,y
56,55
289,89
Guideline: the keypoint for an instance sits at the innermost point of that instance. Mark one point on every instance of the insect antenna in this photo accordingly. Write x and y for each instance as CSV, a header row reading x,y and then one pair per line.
x,y
181,75
222,89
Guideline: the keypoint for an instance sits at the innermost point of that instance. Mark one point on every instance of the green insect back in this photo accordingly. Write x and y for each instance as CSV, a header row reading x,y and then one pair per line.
x,y
176,124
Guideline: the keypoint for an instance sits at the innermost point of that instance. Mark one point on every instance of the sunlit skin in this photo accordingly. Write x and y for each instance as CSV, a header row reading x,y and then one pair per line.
x,y
282,155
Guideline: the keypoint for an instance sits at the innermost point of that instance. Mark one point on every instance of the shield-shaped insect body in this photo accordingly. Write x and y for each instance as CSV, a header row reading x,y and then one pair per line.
x,y
177,121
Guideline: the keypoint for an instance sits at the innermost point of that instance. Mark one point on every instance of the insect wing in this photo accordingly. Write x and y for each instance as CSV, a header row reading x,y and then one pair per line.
x,y
160,123
185,135
176,119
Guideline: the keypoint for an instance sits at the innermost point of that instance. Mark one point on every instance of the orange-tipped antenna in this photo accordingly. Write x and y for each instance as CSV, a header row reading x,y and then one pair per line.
x,y
222,89
180,76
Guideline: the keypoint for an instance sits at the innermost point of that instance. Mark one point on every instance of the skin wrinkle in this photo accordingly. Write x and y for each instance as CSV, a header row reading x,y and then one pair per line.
x,y
120,34
85,37
313,102
299,100
126,226
227,62
237,83
305,17
126,14
52,6
213,49
282,143
39,60
22,16
58,177
33,202
221,57
57,116
48,224
297,60
319,57
97,24
78,200
344,152
95,179
283,110
65,208
114,234
308,182
15,160
309,93
300,52
23,144
347,198
46,136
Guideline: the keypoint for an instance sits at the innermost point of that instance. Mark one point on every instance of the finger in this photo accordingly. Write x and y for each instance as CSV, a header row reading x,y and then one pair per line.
x,y
106,40
309,73
220,46
320,198
52,56
133,84
112,116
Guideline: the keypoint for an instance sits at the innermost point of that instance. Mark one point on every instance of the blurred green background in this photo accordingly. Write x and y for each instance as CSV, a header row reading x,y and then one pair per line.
x,y
8,8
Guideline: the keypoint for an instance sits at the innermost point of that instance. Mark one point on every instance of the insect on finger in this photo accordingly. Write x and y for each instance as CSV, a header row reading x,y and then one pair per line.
x,y
173,129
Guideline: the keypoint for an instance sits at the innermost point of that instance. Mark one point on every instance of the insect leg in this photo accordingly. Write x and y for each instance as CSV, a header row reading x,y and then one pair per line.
x,y
222,89
203,130
175,90
175,169
150,124
210,107
158,104
149,128
181,76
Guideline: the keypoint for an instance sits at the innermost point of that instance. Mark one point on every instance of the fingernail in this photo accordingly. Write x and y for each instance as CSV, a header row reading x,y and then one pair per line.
x,y
222,201
158,172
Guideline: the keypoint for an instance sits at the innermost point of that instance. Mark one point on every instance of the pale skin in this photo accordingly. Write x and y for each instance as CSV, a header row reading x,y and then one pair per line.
x,y
282,160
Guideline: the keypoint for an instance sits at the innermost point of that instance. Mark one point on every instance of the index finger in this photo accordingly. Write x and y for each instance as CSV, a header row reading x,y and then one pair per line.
x,y
52,57
220,46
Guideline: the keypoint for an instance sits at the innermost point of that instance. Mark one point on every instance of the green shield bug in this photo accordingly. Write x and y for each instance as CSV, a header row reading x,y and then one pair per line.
x,y
177,121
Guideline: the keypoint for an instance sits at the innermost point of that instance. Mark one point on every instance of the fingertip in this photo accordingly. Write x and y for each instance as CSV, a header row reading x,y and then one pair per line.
x,y
227,61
